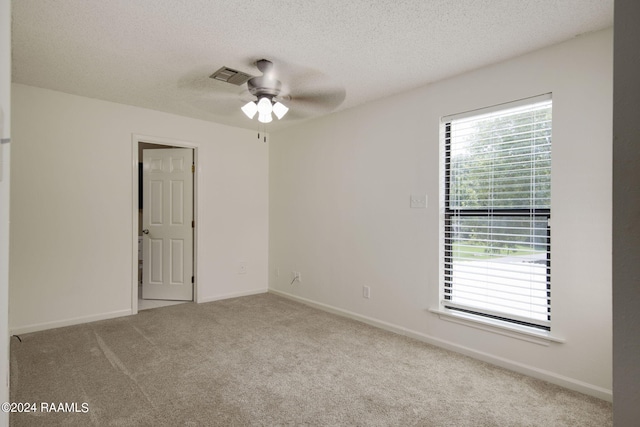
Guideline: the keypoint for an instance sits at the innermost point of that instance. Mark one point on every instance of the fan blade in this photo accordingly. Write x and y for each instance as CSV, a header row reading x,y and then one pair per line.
x,y
213,96
307,104
215,106
308,92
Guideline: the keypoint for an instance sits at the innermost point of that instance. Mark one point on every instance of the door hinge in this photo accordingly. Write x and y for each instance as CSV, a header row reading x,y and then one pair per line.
x,y
192,279
193,224
193,168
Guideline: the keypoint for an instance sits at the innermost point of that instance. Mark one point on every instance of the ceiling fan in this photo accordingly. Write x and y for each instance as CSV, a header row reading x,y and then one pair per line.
x,y
306,92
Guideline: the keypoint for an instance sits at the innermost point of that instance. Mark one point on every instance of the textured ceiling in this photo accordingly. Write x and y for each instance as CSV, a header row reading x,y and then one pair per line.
x,y
159,54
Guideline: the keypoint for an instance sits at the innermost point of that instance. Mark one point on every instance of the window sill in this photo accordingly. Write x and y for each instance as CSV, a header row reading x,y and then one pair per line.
x,y
497,327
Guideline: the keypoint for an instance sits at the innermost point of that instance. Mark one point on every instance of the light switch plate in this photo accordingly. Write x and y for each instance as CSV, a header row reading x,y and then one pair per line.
x,y
418,201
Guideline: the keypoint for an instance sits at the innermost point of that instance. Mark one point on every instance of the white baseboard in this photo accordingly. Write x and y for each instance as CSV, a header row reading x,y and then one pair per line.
x,y
111,315
570,383
68,322
232,295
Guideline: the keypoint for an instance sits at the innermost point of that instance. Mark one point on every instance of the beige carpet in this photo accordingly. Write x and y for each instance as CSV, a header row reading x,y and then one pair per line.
x,y
268,361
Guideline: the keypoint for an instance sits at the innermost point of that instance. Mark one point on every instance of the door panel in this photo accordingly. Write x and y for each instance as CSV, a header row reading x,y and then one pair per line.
x,y
177,262
155,202
177,202
167,215
155,261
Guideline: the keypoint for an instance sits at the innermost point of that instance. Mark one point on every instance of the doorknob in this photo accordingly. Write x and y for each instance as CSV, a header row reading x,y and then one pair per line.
x,y
145,231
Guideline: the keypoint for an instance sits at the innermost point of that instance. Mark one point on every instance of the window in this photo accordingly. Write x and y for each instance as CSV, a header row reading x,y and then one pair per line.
x,y
497,206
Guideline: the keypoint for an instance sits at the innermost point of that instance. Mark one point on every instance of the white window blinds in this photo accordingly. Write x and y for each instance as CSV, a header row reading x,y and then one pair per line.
x,y
497,206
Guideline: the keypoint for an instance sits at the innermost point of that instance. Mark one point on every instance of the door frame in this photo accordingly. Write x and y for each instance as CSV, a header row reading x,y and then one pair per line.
x,y
135,140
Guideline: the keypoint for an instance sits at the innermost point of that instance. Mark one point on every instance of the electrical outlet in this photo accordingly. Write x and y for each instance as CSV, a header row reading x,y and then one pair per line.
x,y
242,267
366,292
277,272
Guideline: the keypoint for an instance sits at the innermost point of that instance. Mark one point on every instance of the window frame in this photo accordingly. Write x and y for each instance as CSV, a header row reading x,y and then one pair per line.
x,y
449,214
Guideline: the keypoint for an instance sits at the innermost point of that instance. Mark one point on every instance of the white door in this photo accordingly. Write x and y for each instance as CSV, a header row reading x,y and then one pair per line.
x,y
167,224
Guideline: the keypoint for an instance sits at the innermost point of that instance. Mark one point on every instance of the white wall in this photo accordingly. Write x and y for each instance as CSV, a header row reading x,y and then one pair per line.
x,y
71,204
5,134
339,210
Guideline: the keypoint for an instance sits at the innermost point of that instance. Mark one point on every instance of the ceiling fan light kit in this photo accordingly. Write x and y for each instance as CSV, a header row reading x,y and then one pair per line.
x,y
264,108
279,109
250,109
264,117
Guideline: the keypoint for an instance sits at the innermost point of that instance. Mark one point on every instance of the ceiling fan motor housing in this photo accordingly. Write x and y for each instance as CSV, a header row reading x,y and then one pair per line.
x,y
264,86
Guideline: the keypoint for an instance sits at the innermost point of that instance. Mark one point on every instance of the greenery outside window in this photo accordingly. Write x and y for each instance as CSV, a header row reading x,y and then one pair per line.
x,y
497,208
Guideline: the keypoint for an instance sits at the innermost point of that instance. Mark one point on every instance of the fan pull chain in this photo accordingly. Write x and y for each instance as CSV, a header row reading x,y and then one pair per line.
x,y
264,133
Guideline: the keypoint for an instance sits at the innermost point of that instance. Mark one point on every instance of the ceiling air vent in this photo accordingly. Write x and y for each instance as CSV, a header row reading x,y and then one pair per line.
x,y
229,75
